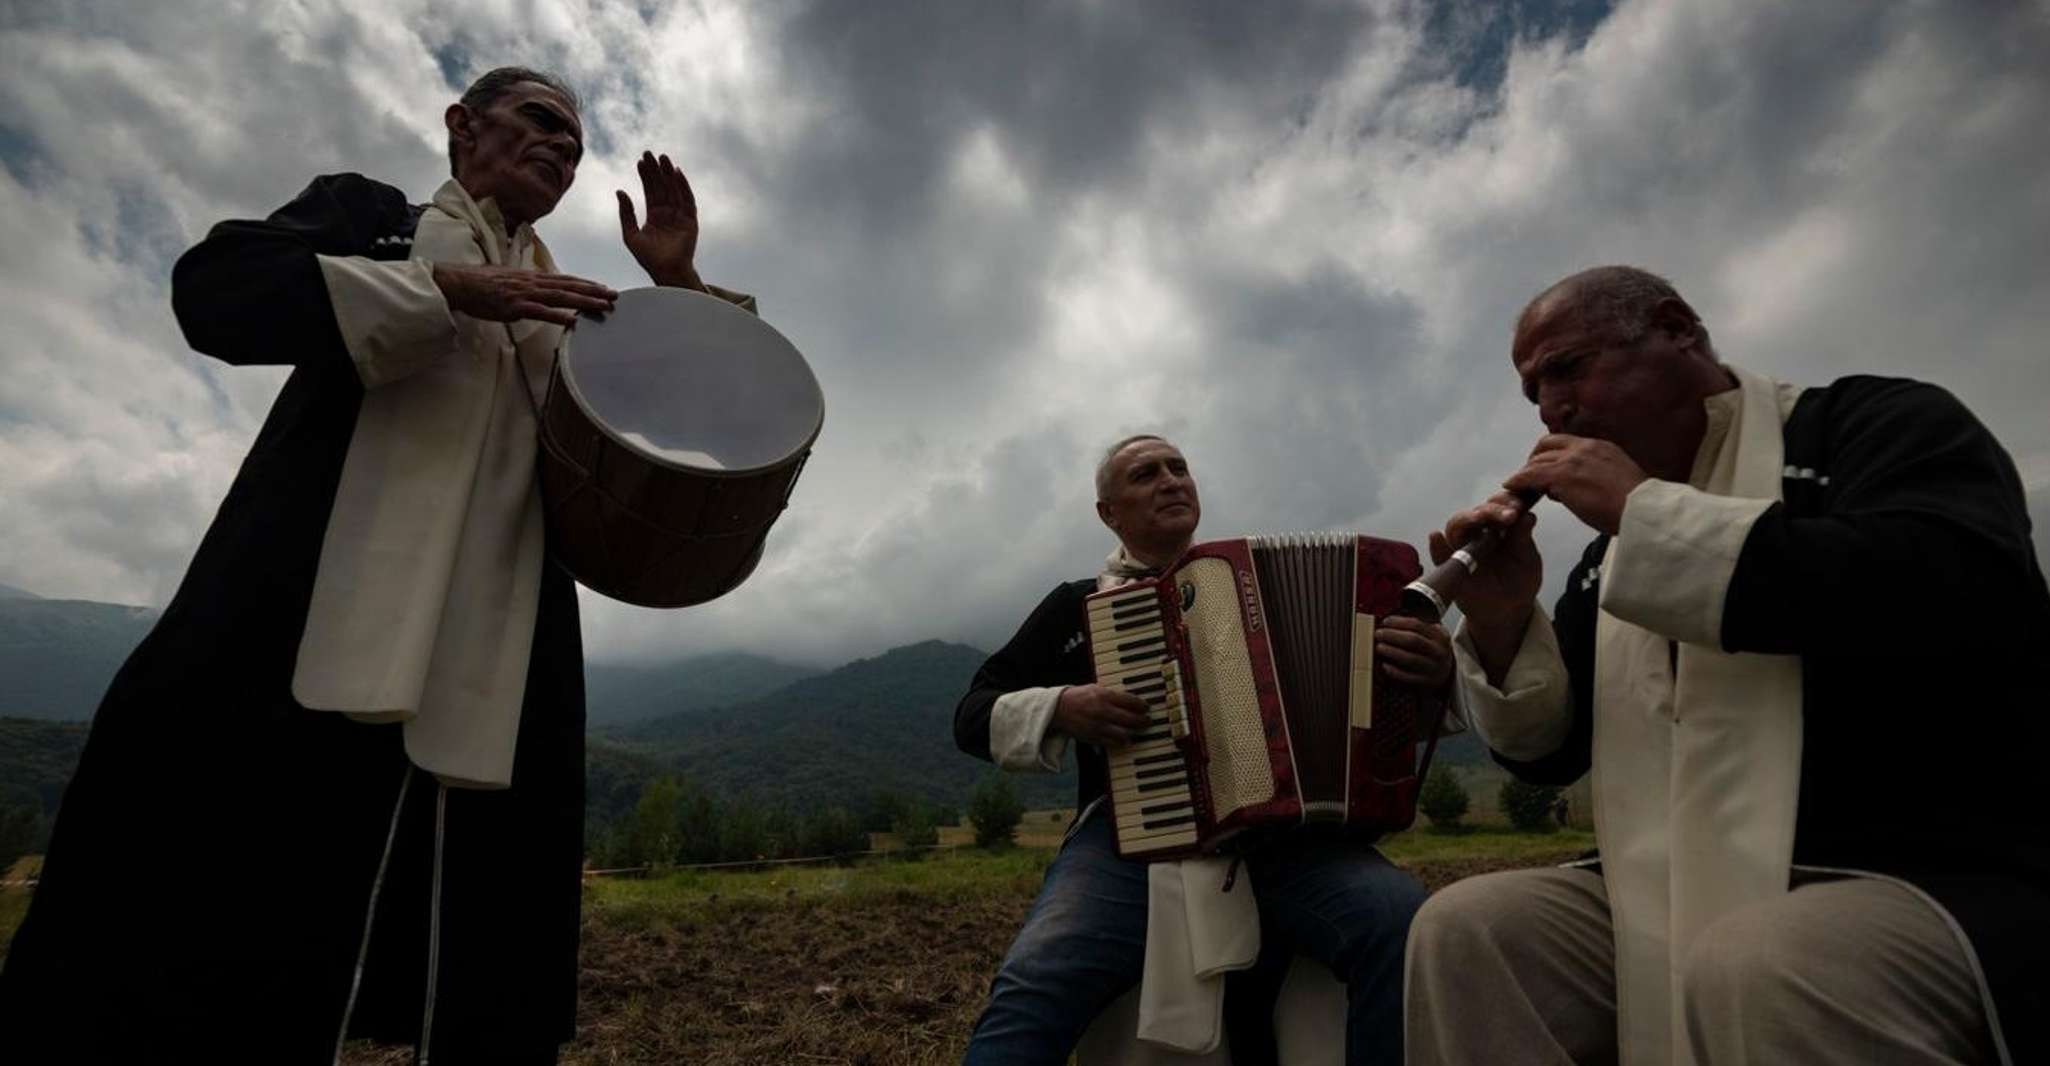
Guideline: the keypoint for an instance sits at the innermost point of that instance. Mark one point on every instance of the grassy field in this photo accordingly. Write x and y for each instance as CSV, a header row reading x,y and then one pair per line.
x,y
884,962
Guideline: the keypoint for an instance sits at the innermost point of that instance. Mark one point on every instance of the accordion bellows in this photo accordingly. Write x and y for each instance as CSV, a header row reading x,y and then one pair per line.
x,y
1255,656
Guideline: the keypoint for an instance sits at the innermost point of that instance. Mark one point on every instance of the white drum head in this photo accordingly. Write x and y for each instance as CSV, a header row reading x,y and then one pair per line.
x,y
692,382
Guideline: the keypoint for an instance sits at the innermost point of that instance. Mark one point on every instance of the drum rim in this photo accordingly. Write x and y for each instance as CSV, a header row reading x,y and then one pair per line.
x,y
569,379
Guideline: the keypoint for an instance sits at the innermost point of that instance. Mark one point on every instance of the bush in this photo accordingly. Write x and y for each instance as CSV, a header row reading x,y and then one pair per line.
x,y
1529,807
834,831
743,834
885,808
915,829
995,812
1443,799
652,838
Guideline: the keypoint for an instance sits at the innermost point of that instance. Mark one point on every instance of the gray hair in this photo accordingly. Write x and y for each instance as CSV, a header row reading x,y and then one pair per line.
x,y
1614,301
496,83
1103,464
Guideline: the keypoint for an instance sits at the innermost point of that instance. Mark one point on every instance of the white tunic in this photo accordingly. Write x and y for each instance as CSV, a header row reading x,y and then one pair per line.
x,y
1696,769
430,573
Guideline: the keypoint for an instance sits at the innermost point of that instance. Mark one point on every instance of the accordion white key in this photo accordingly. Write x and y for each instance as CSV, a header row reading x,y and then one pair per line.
x,y
1255,658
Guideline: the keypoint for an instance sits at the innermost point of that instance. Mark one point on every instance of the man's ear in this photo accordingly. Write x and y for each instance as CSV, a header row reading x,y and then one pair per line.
x,y
1677,320
1104,513
460,131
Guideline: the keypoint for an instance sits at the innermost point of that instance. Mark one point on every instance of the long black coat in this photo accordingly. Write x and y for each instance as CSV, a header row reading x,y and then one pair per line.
x,y
211,867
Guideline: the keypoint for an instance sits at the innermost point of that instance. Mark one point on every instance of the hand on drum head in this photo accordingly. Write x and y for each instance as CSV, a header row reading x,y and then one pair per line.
x,y
509,294
1102,716
667,244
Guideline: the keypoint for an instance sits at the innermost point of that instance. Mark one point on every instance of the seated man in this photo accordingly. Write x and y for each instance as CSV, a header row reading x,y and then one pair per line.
x,y
1813,778
1084,942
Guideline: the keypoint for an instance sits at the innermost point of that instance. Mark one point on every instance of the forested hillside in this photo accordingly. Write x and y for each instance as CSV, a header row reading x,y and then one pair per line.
x,y
884,723
56,656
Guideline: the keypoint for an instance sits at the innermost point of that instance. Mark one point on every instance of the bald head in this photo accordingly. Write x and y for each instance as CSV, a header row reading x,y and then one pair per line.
x,y
1620,304
1615,354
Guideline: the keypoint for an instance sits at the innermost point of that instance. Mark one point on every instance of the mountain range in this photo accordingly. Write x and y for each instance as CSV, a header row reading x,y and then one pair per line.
x,y
56,656
737,725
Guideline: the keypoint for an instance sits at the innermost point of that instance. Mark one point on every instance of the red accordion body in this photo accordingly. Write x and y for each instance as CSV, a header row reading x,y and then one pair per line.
x,y
1255,656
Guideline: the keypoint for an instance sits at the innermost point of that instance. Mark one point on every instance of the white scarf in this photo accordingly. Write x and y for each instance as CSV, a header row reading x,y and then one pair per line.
x,y
1696,779
430,572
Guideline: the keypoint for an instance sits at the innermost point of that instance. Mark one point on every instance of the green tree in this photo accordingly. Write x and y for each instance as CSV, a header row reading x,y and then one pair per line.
x,y
1443,799
784,832
834,831
885,808
653,838
995,812
1529,807
743,833
698,820
915,828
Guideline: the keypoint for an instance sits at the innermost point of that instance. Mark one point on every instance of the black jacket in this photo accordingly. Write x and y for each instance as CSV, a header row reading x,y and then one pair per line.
x,y
1899,567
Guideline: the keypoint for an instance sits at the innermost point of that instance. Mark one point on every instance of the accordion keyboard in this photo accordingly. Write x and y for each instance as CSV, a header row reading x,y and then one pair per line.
x,y
1149,779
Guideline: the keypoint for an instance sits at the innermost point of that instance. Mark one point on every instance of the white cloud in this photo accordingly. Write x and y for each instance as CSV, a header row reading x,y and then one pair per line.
x,y
1291,239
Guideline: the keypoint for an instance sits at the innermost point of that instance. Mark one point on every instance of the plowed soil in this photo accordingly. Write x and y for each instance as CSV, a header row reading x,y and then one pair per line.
x,y
896,980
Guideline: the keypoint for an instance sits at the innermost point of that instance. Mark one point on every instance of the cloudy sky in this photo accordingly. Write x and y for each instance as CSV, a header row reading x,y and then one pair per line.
x,y
1292,237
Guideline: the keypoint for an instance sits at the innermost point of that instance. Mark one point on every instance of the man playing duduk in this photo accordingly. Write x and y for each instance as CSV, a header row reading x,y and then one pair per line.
x,y
1799,659
1086,939
338,790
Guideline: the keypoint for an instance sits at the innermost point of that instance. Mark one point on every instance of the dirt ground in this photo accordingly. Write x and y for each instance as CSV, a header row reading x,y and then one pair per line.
x,y
897,981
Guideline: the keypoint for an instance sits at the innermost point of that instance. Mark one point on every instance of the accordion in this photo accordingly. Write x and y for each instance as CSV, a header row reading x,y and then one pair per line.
x,y
1256,659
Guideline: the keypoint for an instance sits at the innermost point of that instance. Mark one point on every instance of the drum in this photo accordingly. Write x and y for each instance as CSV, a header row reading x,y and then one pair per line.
x,y
672,432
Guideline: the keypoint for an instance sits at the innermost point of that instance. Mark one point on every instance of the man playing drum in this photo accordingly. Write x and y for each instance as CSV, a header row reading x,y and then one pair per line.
x,y
1085,941
338,790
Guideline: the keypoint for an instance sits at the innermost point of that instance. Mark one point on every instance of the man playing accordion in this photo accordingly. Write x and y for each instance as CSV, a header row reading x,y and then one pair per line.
x,y
1085,941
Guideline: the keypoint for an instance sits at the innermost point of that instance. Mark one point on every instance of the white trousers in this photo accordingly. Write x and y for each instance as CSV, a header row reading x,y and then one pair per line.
x,y
1519,967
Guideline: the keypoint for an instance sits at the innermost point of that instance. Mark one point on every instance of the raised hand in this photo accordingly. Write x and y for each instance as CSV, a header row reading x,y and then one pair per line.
x,y
666,245
1102,716
509,294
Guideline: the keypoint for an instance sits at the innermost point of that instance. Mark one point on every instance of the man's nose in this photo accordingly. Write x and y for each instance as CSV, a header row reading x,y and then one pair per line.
x,y
1556,408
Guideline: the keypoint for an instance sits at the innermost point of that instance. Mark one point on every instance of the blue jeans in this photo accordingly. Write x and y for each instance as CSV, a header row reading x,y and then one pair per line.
x,y
1084,942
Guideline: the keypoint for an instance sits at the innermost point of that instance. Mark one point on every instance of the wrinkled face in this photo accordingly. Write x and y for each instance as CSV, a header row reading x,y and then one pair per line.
x,y
521,150
1644,397
1151,499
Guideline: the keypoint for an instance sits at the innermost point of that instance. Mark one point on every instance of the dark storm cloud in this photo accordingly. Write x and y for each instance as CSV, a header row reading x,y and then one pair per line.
x,y
1290,237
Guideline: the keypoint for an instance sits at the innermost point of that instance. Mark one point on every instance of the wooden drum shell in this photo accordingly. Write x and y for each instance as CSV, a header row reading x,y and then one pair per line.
x,y
643,531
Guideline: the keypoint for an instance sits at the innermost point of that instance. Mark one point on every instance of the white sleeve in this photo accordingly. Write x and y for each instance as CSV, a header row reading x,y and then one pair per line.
x,y
1529,716
394,319
1670,564
1018,735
